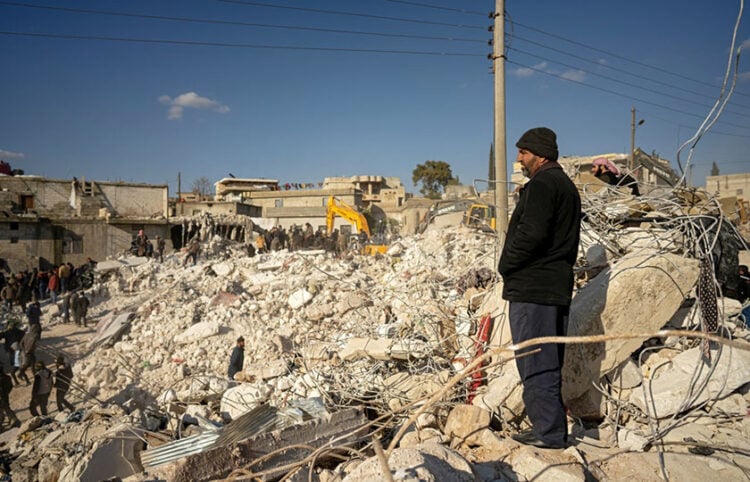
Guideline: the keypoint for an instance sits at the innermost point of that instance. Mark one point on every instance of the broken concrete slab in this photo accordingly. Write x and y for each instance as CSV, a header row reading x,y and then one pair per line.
x,y
111,327
503,393
299,298
655,283
546,465
223,269
108,265
243,398
198,332
465,422
352,301
690,381
375,348
427,463
118,455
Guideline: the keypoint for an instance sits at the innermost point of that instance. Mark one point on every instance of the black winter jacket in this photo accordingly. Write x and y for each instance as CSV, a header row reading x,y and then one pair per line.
x,y
542,242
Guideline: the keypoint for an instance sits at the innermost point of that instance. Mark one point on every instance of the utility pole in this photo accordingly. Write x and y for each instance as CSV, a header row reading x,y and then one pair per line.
x,y
633,126
631,164
501,167
179,194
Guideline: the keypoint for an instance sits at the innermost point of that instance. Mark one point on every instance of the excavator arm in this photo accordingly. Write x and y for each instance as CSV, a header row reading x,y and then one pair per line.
x,y
347,212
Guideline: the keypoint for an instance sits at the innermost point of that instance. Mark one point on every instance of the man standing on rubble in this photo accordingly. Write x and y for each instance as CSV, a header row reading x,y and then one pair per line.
x,y
237,359
537,261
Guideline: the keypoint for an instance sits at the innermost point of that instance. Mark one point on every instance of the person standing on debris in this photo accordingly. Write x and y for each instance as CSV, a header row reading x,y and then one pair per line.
x,y
5,411
28,350
8,293
237,360
140,243
193,250
18,359
63,377
160,246
34,313
53,286
40,390
63,273
605,170
536,264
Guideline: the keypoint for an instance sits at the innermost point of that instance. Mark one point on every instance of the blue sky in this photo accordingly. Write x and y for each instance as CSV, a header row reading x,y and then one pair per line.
x,y
342,104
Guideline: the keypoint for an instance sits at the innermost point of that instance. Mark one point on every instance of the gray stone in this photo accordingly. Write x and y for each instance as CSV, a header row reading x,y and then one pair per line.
x,y
198,332
427,463
631,440
678,388
732,406
639,294
352,301
542,465
243,398
299,298
465,422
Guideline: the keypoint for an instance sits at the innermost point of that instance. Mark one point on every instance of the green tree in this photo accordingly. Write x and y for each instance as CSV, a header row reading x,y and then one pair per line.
x,y
434,176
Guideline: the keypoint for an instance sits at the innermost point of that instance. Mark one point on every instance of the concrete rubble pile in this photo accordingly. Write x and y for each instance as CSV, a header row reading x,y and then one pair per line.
x,y
344,352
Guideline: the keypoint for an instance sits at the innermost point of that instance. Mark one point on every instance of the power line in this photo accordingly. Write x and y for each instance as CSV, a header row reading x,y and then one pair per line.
x,y
621,57
353,14
437,7
236,45
622,71
628,84
235,23
618,93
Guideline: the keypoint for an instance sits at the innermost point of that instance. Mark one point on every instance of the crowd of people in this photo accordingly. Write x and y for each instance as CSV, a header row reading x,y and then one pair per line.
x,y
304,237
18,356
21,288
22,294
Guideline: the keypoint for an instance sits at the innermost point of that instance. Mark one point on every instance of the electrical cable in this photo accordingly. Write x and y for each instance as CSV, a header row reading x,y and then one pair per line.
x,y
235,45
437,7
353,14
629,73
621,57
235,23
628,84
609,91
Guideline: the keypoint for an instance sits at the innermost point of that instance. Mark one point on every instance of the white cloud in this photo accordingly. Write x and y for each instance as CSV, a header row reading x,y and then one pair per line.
x,y
190,100
603,62
574,75
743,76
528,72
11,155
746,44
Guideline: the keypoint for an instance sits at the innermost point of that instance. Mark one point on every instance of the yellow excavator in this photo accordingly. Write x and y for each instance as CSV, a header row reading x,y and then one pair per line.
x,y
339,208
481,216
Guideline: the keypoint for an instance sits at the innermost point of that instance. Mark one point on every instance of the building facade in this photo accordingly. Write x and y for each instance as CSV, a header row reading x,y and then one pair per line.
x,y
50,221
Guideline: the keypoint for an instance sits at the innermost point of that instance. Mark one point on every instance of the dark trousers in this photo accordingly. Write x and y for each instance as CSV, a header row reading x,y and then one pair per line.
x,y
61,402
39,401
6,411
541,372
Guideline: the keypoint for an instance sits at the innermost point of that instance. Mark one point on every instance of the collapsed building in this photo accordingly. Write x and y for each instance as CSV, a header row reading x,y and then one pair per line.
x,y
401,365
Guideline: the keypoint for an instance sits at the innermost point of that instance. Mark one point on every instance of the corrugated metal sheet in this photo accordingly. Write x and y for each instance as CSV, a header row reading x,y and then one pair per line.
x,y
172,451
262,419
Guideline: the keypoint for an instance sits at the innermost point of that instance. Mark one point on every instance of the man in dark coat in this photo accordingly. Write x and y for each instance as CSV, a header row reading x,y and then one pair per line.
x,y
537,268
5,411
63,377
237,360
40,390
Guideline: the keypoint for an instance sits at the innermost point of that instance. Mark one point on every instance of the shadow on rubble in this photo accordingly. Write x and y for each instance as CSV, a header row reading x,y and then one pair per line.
x,y
583,361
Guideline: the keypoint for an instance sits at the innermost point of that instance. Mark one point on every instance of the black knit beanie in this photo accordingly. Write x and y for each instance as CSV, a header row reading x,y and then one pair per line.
x,y
540,141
